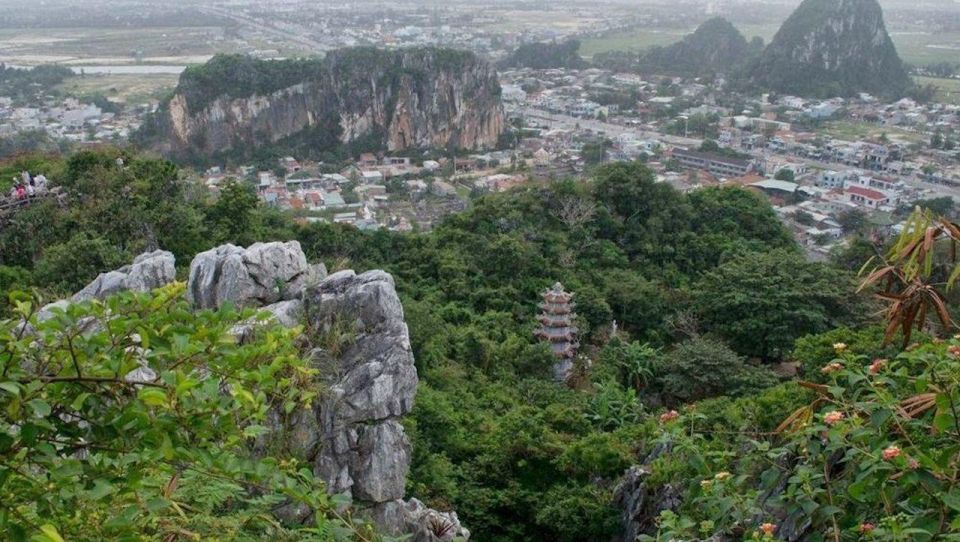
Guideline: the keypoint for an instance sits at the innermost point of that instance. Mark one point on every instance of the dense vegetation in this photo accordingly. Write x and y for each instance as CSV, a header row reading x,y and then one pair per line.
x,y
684,301
93,448
25,85
545,56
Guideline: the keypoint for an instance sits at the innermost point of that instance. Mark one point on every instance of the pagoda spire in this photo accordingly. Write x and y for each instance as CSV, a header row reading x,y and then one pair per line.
x,y
557,326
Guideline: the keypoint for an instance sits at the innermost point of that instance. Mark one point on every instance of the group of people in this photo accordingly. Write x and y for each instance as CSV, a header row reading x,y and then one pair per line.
x,y
27,186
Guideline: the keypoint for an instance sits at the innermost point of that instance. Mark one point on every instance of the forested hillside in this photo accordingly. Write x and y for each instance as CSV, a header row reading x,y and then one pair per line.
x,y
685,303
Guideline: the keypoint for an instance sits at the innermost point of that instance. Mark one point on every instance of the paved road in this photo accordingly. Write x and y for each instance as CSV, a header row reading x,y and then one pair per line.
x,y
566,121
265,27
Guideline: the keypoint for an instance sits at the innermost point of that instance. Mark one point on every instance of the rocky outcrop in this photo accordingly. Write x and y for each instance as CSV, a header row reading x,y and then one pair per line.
x,y
716,47
423,524
365,353
352,434
412,98
640,504
263,274
148,271
830,48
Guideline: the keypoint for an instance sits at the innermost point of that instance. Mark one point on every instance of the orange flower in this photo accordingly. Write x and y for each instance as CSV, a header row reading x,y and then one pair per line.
x,y
867,528
768,529
833,417
877,365
669,416
891,453
954,350
831,368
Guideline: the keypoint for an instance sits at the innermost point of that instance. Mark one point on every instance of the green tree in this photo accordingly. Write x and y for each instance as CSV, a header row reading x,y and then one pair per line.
x,y
233,213
853,221
68,266
761,303
785,174
703,367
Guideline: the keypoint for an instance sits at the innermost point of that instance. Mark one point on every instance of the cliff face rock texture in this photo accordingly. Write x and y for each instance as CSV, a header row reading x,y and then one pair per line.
x,y
413,98
257,276
352,435
372,383
830,48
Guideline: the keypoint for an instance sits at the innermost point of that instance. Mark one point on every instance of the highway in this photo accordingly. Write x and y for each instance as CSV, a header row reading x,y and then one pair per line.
x,y
266,27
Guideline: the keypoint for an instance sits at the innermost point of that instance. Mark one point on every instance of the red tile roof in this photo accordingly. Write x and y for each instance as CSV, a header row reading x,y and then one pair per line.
x,y
867,193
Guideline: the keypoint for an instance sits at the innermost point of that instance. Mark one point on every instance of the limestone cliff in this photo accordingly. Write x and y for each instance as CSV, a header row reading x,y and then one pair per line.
x,y
832,47
412,98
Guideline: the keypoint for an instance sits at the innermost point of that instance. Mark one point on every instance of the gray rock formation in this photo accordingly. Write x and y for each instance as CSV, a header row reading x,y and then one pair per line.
x,y
641,505
148,271
287,313
263,274
365,354
423,524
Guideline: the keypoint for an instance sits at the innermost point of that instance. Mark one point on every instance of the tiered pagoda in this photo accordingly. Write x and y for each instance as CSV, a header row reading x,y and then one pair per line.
x,y
557,327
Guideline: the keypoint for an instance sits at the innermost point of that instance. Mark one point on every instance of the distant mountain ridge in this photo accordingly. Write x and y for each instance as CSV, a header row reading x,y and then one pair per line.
x,y
825,48
715,47
832,48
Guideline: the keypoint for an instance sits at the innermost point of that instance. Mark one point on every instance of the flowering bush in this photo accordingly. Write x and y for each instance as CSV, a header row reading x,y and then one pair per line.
x,y
875,455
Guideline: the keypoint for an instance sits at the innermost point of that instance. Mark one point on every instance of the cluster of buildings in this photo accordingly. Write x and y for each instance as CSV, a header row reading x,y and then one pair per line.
x,y
789,149
375,191
68,119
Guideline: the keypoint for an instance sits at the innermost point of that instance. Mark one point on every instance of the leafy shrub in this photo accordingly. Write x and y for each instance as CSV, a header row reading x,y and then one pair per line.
x,y
703,367
142,414
70,265
873,456
814,352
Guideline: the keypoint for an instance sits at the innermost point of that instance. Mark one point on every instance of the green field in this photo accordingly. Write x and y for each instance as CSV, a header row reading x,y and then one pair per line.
x,y
948,90
111,45
629,40
919,48
130,89
853,131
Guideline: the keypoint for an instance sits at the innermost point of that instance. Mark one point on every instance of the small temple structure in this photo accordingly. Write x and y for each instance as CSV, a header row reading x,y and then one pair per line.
x,y
557,327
